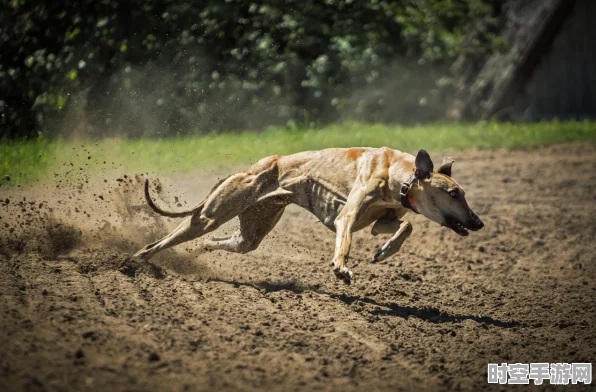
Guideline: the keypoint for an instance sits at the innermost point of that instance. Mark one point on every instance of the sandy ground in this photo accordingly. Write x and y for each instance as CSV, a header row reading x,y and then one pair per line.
x,y
76,315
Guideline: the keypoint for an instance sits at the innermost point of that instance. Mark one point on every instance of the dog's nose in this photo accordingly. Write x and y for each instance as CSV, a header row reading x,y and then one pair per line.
x,y
475,222
479,224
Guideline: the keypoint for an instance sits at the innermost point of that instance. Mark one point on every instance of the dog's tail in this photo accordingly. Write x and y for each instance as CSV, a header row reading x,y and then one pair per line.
x,y
155,208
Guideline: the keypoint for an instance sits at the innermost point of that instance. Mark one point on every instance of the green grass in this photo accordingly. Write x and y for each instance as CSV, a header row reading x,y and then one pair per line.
x,y
29,161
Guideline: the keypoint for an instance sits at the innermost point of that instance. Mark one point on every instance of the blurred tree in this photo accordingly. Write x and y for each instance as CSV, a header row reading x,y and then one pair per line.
x,y
159,67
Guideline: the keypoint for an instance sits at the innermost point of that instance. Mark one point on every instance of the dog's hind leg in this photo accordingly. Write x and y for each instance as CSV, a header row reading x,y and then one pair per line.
x,y
255,223
230,198
191,228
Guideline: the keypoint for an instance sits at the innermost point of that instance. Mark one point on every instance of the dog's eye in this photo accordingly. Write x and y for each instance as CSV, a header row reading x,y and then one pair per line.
x,y
454,193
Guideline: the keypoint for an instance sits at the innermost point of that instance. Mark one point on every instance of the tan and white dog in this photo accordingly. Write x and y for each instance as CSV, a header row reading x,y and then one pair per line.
x,y
347,189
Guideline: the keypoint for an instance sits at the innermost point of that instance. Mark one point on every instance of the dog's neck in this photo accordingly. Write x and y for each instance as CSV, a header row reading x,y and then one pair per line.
x,y
398,176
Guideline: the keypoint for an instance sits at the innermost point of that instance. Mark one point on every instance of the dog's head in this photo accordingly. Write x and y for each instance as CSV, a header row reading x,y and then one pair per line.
x,y
438,197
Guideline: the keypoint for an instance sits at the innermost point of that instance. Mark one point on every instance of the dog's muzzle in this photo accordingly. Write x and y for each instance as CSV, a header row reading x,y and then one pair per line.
x,y
473,223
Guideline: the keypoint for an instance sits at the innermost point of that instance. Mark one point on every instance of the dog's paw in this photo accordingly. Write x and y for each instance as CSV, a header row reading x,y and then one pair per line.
x,y
380,255
343,274
140,256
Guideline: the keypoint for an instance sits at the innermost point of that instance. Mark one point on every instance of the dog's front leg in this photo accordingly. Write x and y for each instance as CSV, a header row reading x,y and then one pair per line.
x,y
395,242
360,198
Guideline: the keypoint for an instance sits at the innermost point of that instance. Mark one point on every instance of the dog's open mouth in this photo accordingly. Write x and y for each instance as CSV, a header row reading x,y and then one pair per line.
x,y
457,227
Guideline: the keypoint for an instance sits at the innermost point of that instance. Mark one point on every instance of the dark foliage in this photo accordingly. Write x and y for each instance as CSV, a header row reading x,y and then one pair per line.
x,y
168,66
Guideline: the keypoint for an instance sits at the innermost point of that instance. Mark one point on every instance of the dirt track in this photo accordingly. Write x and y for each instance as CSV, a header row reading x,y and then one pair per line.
x,y
75,315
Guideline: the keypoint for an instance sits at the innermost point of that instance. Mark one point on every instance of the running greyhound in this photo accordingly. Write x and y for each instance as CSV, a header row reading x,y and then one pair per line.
x,y
346,188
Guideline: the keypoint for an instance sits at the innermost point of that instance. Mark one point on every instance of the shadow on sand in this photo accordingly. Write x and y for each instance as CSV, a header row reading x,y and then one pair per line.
x,y
429,314
389,309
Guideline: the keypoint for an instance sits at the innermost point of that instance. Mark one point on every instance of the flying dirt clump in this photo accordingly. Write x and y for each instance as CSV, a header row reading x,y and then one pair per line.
x,y
132,268
99,215
62,238
41,233
33,227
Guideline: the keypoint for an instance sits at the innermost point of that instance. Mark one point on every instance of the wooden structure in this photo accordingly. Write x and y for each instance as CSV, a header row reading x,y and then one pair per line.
x,y
548,70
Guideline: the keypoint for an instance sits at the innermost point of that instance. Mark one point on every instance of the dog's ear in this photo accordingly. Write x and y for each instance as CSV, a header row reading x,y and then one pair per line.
x,y
424,165
446,166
